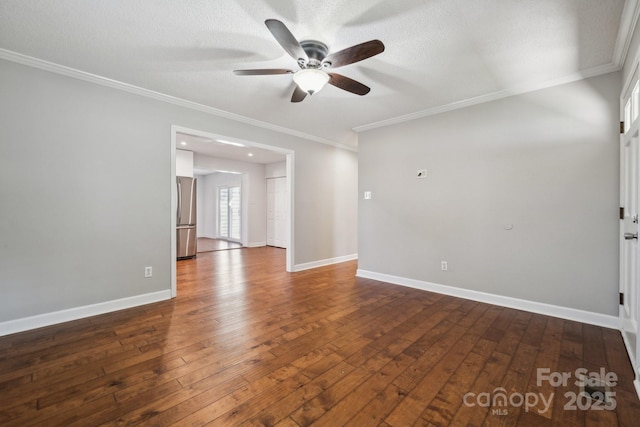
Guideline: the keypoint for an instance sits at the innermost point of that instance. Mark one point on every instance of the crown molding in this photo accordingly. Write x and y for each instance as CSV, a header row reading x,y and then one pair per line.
x,y
628,22
125,87
591,72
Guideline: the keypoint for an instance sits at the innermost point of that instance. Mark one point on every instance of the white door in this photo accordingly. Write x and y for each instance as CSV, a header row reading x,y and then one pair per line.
x,y
271,212
629,250
277,217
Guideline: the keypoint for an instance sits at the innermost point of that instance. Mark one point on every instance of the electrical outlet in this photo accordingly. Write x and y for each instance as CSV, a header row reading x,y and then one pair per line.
x,y
444,266
422,173
148,271
367,195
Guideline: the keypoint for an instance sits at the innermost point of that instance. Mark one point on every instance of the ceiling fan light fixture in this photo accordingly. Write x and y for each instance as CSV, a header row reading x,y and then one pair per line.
x,y
311,80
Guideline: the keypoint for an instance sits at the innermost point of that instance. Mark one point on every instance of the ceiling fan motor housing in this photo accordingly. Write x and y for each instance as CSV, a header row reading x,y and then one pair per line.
x,y
314,59
316,51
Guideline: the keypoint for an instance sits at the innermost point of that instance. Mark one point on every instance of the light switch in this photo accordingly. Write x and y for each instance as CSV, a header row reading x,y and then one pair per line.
x,y
367,195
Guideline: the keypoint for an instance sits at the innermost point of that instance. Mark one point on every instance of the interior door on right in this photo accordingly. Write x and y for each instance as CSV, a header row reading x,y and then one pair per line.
x,y
277,217
629,199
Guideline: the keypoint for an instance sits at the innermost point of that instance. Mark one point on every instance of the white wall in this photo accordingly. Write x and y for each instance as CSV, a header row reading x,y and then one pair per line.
x,y
254,205
544,162
84,222
275,170
184,163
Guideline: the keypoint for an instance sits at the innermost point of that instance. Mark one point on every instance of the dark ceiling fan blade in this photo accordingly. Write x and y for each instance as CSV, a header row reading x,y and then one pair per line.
x,y
298,95
350,85
288,42
354,53
262,72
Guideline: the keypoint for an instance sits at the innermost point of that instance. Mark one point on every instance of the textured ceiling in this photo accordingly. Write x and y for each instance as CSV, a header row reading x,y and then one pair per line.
x,y
438,52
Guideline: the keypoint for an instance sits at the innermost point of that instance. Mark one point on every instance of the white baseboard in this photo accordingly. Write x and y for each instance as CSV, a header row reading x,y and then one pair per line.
x,y
257,244
627,346
48,319
323,262
519,304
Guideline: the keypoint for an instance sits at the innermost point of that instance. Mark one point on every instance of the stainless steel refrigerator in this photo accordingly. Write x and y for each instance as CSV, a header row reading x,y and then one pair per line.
x,y
186,217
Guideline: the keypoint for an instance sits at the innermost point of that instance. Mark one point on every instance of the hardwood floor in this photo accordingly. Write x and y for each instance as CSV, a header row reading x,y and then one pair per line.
x,y
207,245
246,344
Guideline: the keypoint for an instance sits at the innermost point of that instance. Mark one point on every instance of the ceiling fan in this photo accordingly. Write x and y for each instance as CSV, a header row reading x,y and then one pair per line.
x,y
313,58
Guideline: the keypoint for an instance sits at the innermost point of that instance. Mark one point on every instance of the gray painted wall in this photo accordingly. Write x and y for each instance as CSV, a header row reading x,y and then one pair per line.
x,y
545,162
330,205
85,191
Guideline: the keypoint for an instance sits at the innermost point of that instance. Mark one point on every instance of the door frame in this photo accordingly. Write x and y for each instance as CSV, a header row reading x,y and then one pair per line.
x,y
631,130
290,162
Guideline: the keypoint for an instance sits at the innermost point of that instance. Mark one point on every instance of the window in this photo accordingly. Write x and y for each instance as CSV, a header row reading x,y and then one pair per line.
x,y
627,115
229,212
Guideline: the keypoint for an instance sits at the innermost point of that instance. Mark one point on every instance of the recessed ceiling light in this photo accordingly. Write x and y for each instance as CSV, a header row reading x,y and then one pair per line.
x,y
250,154
237,144
233,172
183,143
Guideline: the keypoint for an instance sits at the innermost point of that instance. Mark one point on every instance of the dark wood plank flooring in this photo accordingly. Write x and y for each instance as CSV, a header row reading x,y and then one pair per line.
x,y
247,344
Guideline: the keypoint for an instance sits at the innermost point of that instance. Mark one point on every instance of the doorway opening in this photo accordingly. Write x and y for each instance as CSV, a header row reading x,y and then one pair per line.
x,y
243,220
229,218
223,222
